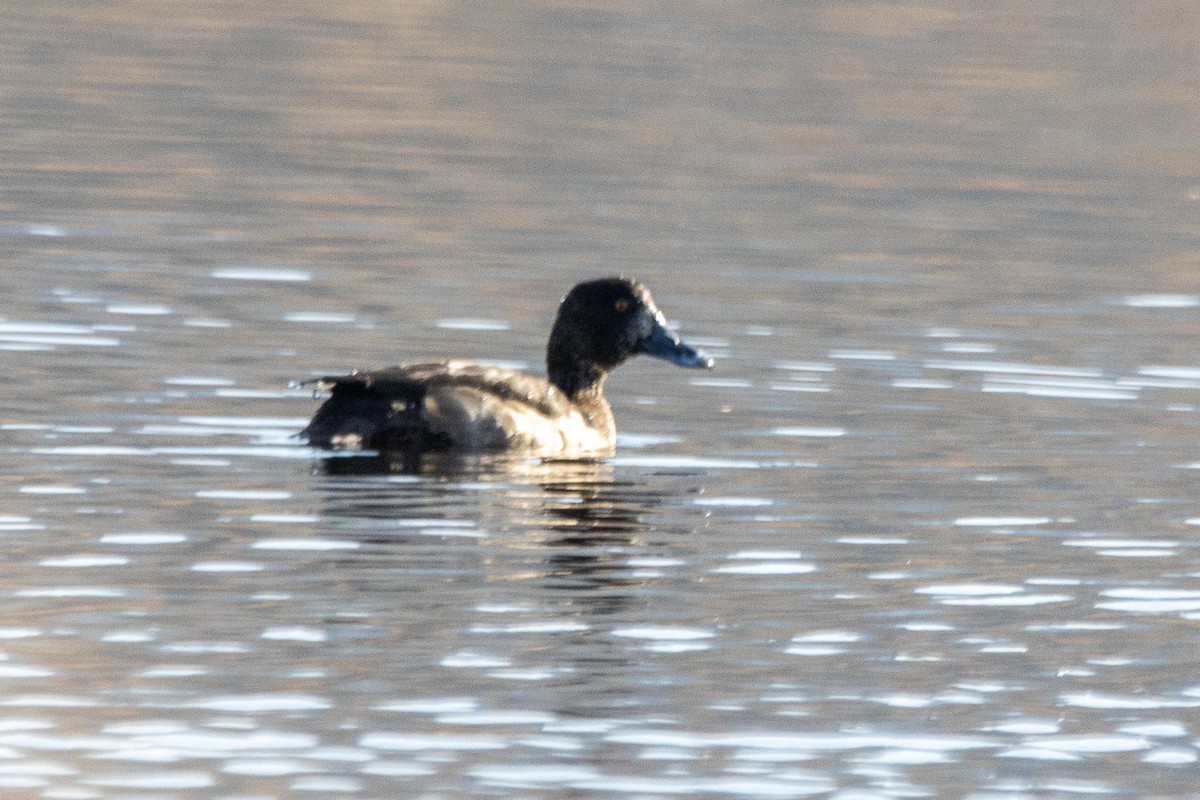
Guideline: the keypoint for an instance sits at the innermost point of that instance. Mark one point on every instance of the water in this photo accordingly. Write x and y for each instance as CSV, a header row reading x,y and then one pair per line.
x,y
928,530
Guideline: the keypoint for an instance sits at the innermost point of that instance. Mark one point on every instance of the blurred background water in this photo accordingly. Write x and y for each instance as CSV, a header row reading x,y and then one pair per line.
x,y
927,530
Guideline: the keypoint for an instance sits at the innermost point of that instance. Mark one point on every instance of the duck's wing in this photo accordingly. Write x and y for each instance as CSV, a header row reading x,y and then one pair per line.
x,y
449,404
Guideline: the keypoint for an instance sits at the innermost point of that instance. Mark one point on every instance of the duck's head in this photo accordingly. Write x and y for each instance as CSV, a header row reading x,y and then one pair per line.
x,y
603,323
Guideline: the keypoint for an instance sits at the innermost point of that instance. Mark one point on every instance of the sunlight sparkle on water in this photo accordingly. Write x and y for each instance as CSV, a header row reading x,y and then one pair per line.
x,y
305,544
251,273
1162,301
473,324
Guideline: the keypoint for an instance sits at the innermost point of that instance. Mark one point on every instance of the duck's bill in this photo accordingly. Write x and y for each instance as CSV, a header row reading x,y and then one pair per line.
x,y
661,343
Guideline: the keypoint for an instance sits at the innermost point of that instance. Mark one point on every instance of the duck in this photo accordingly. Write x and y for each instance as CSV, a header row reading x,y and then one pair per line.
x,y
469,407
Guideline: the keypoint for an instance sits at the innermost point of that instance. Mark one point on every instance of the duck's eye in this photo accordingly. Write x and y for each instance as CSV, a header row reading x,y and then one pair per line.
x,y
622,305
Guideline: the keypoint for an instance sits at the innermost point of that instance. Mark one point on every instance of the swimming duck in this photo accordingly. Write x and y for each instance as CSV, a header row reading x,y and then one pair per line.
x,y
471,407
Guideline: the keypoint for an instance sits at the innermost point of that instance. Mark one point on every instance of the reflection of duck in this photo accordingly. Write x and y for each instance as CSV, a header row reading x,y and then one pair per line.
x,y
530,562
589,527
564,524
464,406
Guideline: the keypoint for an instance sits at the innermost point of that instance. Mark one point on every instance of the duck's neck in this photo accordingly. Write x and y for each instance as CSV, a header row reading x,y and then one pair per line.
x,y
571,364
577,381
585,387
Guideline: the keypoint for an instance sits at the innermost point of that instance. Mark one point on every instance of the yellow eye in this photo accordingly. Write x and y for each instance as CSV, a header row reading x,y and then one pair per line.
x,y
622,305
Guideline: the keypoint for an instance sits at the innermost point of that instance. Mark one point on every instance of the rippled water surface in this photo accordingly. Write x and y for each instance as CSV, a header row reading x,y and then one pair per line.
x,y
928,530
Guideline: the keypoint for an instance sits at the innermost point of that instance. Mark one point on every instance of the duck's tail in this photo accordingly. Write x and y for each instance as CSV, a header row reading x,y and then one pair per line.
x,y
365,412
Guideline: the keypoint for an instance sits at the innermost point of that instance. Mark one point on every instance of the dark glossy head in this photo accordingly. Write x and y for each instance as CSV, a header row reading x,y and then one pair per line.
x,y
601,324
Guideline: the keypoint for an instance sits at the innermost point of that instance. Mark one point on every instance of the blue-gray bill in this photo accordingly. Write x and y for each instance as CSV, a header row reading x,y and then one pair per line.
x,y
662,343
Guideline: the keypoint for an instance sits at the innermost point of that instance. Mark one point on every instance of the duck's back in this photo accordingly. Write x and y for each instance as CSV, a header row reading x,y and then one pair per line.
x,y
457,405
